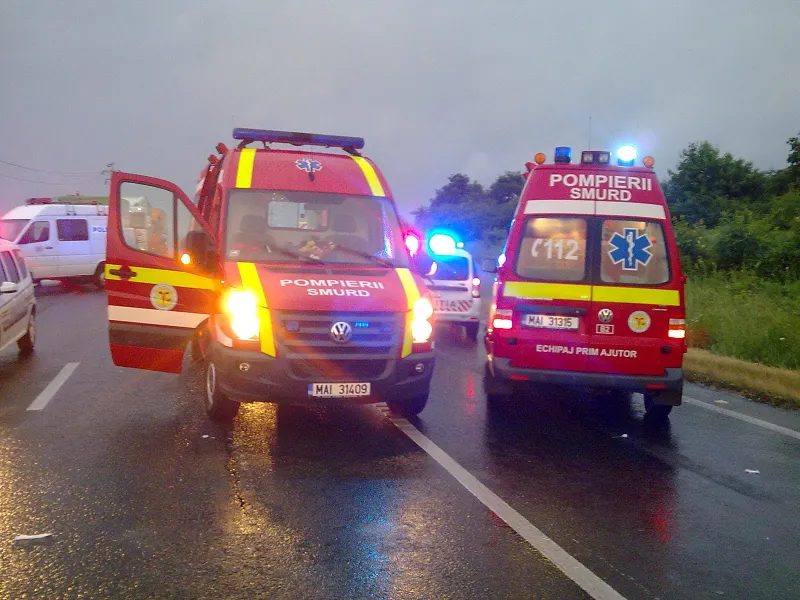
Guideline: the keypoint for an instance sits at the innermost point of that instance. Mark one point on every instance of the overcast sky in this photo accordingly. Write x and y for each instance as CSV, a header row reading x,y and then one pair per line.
x,y
434,86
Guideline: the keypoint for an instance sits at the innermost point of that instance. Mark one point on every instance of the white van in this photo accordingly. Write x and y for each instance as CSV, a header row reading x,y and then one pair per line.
x,y
456,289
17,300
60,241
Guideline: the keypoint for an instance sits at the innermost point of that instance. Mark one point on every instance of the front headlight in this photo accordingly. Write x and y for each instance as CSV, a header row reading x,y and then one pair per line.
x,y
421,328
242,308
423,309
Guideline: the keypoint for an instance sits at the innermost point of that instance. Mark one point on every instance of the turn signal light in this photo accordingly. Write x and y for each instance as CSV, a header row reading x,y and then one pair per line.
x,y
476,287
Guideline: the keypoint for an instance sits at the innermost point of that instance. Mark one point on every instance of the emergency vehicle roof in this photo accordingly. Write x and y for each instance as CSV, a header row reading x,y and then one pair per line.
x,y
303,171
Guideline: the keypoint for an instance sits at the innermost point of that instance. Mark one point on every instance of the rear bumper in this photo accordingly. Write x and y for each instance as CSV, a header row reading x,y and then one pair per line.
x,y
670,381
269,379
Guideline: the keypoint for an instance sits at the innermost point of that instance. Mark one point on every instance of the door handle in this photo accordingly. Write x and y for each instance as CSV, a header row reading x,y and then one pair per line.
x,y
48,247
123,273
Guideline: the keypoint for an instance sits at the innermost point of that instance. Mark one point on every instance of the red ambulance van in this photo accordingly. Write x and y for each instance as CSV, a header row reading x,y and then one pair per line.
x,y
589,291
289,273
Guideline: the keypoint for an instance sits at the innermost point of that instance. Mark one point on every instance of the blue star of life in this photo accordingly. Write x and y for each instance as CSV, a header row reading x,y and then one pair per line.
x,y
308,165
630,249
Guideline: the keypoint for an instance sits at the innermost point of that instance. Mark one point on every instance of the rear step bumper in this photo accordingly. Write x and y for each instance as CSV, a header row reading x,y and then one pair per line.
x,y
671,381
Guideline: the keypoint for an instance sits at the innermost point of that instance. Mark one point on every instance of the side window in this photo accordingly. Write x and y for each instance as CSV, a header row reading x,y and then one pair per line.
x,y
3,276
39,231
634,253
72,230
10,267
553,249
154,220
23,268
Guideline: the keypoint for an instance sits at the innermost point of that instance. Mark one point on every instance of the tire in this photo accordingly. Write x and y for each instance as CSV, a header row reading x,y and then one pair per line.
x,y
471,330
27,342
99,277
218,406
408,408
497,392
655,413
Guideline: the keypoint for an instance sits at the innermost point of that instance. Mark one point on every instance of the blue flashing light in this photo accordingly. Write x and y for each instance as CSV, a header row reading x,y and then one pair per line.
x,y
626,156
442,244
298,138
563,155
460,245
361,325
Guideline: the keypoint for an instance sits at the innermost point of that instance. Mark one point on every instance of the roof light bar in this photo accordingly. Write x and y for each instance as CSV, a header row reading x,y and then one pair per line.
x,y
297,138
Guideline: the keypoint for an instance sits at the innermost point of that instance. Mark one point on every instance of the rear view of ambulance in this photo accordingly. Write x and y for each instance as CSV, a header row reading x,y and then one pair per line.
x,y
590,291
289,274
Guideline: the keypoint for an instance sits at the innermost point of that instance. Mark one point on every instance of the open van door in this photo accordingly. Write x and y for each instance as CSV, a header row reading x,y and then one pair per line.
x,y
160,272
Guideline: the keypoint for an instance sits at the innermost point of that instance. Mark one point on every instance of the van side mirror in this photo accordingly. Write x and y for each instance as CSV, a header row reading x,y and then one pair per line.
x,y
8,287
489,266
199,250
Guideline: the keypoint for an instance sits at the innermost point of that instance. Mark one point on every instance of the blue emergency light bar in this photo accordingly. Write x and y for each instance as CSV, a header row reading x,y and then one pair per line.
x,y
563,155
626,156
297,138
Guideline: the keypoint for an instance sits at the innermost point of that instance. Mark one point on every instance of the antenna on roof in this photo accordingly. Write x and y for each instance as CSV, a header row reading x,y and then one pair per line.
x,y
589,147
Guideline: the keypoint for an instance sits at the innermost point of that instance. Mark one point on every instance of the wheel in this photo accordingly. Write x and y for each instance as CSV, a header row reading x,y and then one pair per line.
x,y
218,406
26,342
497,392
655,413
471,330
408,408
99,277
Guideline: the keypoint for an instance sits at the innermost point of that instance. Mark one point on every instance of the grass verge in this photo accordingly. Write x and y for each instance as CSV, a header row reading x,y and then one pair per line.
x,y
780,387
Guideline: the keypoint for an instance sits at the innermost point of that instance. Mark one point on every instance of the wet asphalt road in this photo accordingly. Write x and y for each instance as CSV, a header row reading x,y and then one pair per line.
x,y
146,498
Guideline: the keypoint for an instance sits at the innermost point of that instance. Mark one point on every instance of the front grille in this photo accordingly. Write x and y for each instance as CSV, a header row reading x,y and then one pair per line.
x,y
338,370
307,335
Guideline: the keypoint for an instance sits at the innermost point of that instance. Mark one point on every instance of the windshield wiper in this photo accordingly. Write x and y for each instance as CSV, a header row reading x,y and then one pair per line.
x,y
294,254
370,257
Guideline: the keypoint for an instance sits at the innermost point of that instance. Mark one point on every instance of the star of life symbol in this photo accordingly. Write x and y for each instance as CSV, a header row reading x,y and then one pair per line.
x,y
630,249
308,165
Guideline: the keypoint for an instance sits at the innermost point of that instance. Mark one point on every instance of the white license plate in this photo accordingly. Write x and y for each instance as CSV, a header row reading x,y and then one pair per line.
x,y
338,390
551,322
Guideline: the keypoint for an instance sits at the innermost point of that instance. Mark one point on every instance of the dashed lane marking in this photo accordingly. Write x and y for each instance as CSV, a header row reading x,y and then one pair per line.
x,y
52,388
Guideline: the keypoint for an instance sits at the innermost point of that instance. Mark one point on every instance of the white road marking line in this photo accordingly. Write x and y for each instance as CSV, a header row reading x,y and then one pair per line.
x,y
583,577
53,387
746,418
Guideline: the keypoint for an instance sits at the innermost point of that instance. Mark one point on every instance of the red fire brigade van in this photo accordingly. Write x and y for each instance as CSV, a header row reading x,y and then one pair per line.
x,y
289,274
589,289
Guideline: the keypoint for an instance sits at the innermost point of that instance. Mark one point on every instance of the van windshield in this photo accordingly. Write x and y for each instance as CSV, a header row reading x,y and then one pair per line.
x,y
290,226
11,228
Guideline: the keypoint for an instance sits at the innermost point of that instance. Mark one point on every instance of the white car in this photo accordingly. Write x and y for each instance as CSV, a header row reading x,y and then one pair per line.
x,y
456,290
17,300
60,241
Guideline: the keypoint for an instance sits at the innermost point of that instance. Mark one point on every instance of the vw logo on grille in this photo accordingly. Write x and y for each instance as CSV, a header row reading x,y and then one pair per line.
x,y
341,332
605,315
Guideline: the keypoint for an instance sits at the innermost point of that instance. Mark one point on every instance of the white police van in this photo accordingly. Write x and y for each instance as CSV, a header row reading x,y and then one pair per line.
x,y
60,241
454,284
17,300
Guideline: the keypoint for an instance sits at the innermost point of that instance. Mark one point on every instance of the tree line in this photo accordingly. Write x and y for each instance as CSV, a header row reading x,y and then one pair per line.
x,y
727,214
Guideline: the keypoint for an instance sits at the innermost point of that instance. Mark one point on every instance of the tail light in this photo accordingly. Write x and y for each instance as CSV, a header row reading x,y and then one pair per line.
x,y
502,319
476,287
677,329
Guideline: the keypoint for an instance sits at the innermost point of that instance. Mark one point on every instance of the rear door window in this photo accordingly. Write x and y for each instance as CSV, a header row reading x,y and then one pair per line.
x,y
452,268
23,268
634,253
10,267
553,249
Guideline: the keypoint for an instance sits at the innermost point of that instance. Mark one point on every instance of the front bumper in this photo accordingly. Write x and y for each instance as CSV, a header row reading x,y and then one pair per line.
x,y
670,381
276,380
